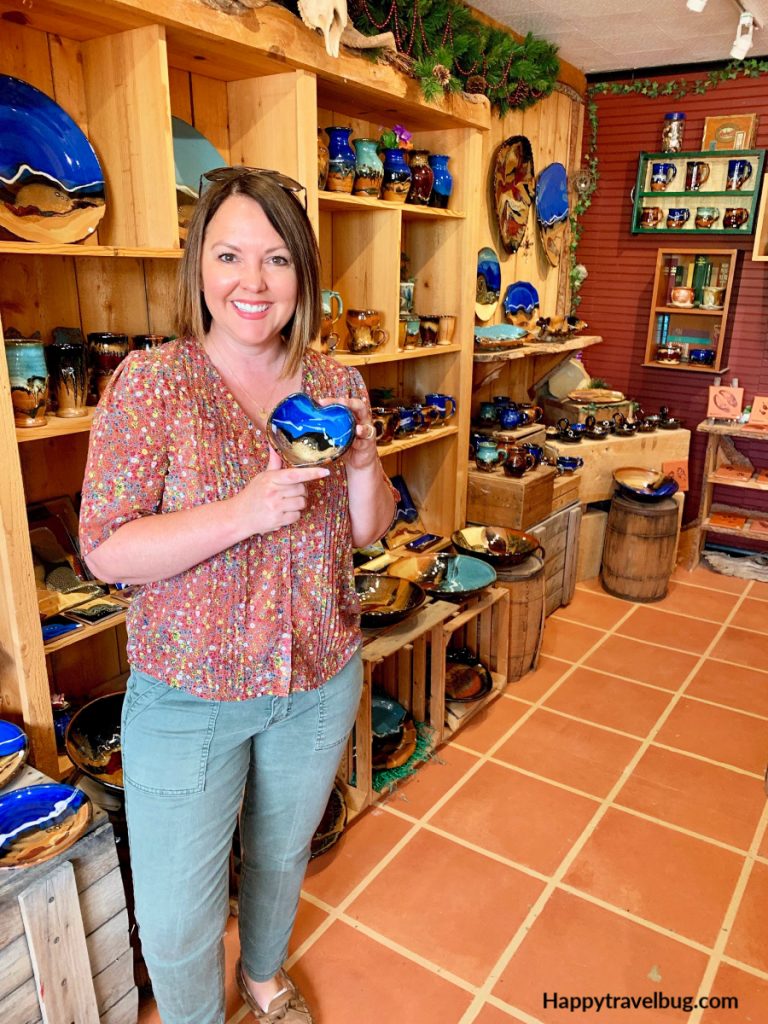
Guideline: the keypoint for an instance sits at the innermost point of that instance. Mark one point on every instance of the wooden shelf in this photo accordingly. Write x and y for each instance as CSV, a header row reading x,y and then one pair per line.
x,y
733,430
36,249
416,439
370,358
747,485
700,194
338,202
687,367
83,634
697,310
57,426
538,348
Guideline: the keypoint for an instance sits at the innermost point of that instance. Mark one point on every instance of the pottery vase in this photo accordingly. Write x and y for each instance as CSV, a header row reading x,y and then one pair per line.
x,y
29,380
443,184
105,353
397,176
341,160
322,160
422,178
67,360
369,170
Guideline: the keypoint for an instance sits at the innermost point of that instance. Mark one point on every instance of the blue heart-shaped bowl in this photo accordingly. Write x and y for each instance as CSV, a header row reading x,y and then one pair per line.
x,y
308,434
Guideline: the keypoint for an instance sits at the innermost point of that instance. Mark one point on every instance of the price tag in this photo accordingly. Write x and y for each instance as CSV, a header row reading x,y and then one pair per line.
x,y
725,403
678,470
759,415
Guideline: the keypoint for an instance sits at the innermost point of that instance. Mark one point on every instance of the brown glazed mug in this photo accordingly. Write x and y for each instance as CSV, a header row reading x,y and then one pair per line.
x,y
735,216
518,461
385,422
429,326
365,330
651,216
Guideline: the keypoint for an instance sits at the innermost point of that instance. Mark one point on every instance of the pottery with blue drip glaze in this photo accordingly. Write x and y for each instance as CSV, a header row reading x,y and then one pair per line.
x,y
341,160
28,373
39,822
646,485
51,183
520,297
308,434
448,577
13,751
488,287
552,209
443,183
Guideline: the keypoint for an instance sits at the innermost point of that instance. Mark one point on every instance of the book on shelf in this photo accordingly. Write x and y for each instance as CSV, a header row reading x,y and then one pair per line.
x,y
728,520
663,329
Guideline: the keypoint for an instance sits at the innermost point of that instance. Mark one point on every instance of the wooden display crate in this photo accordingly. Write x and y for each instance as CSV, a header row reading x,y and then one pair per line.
x,y
566,490
559,536
577,412
396,660
483,627
64,948
499,500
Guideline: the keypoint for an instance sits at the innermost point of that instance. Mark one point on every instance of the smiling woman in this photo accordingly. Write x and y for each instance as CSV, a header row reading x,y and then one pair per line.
x,y
243,636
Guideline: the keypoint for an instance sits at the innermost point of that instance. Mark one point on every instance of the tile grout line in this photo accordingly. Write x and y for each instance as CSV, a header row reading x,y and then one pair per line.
x,y
591,825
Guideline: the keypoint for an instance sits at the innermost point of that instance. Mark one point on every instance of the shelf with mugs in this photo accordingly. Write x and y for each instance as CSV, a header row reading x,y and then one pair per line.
x,y
697,192
688,317
339,200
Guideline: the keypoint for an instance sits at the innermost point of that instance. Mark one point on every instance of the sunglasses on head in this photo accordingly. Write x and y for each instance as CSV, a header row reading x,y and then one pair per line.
x,y
222,174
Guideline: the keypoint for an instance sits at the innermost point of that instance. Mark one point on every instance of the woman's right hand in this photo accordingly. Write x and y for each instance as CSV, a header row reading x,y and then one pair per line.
x,y
277,496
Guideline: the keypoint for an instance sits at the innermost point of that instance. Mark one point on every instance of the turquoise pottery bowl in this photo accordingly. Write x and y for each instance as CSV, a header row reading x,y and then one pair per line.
x,y
385,600
308,434
39,822
13,751
446,576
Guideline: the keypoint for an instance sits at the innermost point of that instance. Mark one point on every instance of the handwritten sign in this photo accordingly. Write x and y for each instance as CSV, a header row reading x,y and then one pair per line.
x,y
759,415
678,470
725,403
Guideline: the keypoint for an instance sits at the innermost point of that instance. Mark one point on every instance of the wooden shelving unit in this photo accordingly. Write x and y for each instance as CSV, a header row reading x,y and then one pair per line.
x,y
258,93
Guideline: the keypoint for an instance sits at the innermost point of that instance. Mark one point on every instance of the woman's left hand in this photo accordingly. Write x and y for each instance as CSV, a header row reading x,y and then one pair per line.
x,y
363,452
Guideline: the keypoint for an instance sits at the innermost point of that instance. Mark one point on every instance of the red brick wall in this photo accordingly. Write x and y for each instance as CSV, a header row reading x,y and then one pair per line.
x,y
616,296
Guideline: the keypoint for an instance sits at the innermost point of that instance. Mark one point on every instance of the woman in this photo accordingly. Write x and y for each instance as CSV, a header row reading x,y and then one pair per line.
x,y
244,637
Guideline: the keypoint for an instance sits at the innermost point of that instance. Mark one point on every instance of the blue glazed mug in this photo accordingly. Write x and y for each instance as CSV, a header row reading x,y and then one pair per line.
x,y
677,217
409,420
739,173
445,403
662,175
568,463
510,417
536,451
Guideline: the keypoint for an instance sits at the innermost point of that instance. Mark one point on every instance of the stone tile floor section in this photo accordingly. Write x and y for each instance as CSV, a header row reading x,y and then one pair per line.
x,y
599,829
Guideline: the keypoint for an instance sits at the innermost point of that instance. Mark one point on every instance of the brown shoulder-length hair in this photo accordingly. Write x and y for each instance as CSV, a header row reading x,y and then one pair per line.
x,y
288,217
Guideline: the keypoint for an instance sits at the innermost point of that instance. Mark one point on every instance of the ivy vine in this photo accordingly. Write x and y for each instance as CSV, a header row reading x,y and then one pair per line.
x,y
675,88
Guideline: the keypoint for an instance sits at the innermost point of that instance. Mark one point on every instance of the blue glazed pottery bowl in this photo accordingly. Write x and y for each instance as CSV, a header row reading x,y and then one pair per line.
x,y
702,356
496,545
13,751
445,576
38,822
568,463
385,600
648,485
308,434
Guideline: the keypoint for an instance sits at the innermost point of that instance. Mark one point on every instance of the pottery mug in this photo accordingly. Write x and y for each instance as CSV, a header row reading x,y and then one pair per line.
x,y
568,463
536,451
669,354
385,423
696,173
712,297
488,414
739,173
410,331
446,325
365,330
409,419
662,175
532,413
488,455
518,462
510,417
735,216
677,217
445,403
706,216
428,328
650,216
430,415
406,296
682,296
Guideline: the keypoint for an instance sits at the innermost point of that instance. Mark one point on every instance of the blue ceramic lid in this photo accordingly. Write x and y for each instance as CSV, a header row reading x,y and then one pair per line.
x,y
39,822
676,115
552,195
308,434
51,183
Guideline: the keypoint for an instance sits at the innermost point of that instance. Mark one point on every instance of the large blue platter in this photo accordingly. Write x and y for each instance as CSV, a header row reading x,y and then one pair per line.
x,y
13,751
51,183
39,822
552,195
520,297
193,155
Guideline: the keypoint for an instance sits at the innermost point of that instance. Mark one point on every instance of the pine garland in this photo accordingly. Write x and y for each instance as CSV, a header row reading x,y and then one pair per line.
x,y
452,50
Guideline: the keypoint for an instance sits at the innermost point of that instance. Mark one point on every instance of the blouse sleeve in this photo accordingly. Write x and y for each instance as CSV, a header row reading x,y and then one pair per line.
x,y
127,456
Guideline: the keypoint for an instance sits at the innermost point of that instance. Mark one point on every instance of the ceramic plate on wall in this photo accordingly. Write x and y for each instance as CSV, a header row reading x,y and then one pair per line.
x,y
520,297
488,283
51,183
193,155
39,822
513,189
552,209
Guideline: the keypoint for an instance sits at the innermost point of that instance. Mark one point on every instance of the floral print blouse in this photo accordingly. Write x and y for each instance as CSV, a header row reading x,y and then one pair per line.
x,y
272,614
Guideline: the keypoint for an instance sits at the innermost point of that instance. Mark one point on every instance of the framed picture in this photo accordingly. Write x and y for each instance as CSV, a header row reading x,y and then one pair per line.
x,y
725,403
729,131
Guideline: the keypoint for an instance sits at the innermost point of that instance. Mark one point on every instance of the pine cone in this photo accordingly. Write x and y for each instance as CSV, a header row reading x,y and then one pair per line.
x,y
442,74
476,83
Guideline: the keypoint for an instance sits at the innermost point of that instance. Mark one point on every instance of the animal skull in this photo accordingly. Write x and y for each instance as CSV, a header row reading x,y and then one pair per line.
x,y
329,16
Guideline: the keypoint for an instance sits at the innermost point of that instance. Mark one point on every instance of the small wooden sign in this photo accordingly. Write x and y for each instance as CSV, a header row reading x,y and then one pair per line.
x,y
678,470
759,415
725,403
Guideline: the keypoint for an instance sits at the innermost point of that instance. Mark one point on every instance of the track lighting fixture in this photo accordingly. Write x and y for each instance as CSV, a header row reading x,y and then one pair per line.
x,y
742,44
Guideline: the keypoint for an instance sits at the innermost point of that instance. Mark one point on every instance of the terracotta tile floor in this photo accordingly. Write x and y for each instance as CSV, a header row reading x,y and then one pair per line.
x,y
602,828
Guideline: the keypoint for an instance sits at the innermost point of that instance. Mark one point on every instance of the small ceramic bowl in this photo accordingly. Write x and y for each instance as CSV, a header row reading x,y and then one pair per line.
x,y
646,485
496,545
568,463
92,740
13,751
448,577
308,434
466,678
670,423
385,600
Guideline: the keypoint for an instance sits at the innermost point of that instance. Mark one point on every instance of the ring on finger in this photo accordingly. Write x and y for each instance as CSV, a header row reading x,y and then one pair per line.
x,y
370,432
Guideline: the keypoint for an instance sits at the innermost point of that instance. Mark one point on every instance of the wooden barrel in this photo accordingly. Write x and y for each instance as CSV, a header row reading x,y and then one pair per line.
x,y
639,550
525,583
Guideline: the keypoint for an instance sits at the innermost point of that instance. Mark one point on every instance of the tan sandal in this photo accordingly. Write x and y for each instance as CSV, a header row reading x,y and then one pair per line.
x,y
288,1007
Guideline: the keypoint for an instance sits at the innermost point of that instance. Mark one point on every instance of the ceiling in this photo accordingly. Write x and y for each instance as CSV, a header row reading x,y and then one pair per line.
x,y
620,35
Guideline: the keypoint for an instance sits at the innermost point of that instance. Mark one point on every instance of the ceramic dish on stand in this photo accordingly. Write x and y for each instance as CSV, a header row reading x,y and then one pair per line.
x,y
14,748
39,822
447,577
552,209
514,187
488,287
193,155
520,298
51,183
